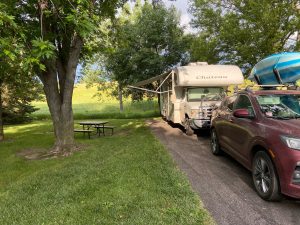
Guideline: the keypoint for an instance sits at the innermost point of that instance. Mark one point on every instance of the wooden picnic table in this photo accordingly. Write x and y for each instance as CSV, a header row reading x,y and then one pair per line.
x,y
97,124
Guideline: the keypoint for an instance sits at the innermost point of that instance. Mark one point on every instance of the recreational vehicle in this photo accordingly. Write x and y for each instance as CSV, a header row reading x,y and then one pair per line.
x,y
188,94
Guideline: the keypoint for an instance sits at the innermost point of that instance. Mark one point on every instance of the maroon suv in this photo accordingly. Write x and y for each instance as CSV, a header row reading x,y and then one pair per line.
x,y
261,130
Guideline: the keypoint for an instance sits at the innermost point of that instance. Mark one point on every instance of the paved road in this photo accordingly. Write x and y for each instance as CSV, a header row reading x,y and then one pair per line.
x,y
224,186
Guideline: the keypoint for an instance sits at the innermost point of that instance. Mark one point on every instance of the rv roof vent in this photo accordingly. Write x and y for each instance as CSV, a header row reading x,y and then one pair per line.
x,y
197,63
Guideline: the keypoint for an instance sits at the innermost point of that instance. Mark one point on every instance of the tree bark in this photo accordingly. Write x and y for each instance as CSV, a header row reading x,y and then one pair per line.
x,y
58,87
120,96
1,116
61,114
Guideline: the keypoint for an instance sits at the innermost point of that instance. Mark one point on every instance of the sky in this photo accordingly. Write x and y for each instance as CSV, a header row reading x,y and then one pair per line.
x,y
182,7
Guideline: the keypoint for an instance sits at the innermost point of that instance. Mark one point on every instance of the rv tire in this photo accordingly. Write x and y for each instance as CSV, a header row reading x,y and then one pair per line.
x,y
188,130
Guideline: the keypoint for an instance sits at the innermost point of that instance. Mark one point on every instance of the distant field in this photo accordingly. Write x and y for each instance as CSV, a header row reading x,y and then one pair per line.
x,y
87,105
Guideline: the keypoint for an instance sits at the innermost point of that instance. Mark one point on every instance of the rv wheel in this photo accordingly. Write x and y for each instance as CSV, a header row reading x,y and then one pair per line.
x,y
188,130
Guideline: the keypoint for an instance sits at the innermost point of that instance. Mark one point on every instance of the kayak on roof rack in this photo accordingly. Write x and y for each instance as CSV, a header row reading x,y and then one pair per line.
x,y
280,68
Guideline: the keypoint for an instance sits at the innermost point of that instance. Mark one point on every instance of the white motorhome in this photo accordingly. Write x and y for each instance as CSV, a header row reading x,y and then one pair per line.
x,y
188,94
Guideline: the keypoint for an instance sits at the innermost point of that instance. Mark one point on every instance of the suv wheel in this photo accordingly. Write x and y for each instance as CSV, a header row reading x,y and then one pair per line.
x,y
214,143
265,178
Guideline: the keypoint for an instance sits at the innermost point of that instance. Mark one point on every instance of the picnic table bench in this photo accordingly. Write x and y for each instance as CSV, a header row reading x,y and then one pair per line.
x,y
84,132
105,127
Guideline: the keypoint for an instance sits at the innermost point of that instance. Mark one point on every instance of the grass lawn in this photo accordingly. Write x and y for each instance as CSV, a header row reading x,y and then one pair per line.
x,y
87,105
127,178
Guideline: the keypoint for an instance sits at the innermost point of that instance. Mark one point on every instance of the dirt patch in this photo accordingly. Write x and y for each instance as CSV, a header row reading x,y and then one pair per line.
x,y
44,154
33,154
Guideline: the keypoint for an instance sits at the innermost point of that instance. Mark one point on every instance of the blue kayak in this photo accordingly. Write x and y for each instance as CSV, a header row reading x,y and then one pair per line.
x,y
281,68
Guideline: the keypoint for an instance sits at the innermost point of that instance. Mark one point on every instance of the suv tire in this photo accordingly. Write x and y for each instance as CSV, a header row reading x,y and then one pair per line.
x,y
214,143
265,178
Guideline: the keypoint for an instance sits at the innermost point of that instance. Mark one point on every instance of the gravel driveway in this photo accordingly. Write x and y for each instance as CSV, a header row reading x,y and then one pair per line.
x,y
224,186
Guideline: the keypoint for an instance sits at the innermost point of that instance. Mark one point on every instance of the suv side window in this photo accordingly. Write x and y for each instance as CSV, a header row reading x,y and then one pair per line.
x,y
243,102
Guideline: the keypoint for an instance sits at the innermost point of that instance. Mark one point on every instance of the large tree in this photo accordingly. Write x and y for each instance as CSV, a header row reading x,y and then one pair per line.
x,y
55,32
17,86
150,41
244,31
7,55
141,42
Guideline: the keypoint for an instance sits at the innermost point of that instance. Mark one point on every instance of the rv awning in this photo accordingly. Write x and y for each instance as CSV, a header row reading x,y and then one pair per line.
x,y
139,85
151,80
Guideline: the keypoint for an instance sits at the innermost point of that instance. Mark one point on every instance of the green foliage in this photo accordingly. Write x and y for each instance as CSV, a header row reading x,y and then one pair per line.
x,y
243,32
127,178
81,20
17,98
16,112
49,27
202,50
9,42
141,43
17,87
149,41
43,49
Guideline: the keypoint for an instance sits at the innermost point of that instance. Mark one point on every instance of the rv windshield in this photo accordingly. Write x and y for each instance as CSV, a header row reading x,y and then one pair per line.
x,y
206,94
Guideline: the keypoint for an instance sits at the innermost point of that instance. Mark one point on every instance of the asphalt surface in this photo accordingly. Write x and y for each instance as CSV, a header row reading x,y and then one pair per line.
x,y
224,186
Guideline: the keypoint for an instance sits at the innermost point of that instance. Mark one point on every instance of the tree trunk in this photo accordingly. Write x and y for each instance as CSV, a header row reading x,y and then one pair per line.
x,y
61,113
1,116
58,81
120,98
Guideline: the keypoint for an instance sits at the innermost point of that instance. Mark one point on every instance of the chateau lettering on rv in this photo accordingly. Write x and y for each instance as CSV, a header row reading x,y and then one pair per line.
x,y
201,77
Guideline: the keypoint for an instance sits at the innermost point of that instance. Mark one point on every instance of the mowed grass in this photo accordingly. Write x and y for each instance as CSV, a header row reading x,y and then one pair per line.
x,y
127,178
86,104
